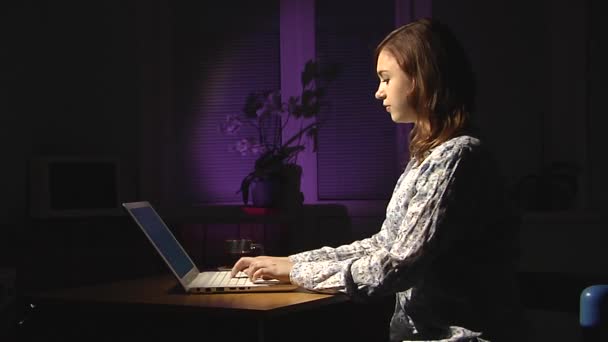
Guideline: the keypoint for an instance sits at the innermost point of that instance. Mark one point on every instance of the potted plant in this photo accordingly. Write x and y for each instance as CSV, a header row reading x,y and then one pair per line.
x,y
276,175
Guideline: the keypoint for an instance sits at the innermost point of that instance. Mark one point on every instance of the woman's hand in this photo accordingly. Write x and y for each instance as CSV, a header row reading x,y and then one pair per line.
x,y
264,267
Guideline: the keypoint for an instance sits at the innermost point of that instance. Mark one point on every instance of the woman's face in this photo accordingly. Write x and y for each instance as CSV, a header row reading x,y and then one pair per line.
x,y
394,89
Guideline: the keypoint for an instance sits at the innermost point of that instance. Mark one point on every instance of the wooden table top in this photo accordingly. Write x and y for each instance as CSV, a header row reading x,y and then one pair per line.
x,y
163,291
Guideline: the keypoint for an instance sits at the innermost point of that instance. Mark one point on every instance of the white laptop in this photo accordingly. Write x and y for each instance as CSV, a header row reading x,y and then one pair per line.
x,y
180,263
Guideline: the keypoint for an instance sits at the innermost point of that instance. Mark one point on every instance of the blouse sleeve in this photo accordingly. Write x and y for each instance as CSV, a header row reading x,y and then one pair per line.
x,y
392,267
353,250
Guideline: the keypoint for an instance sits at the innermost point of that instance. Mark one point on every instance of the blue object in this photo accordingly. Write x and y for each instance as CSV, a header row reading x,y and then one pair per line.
x,y
594,312
593,305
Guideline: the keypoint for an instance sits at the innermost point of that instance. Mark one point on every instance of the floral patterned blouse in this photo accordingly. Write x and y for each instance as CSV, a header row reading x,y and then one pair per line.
x,y
445,249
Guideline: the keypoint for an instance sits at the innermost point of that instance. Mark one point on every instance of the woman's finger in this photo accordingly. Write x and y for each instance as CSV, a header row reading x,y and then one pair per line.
x,y
241,264
251,269
255,267
260,273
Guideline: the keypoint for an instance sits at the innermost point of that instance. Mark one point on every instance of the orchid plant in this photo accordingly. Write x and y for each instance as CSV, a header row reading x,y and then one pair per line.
x,y
269,115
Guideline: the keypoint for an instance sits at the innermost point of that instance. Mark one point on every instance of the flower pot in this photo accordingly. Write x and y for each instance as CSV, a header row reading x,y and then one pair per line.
x,y
280,190
265,192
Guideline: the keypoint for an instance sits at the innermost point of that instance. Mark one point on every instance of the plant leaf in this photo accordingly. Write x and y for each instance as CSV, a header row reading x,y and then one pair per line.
x,y
310,72
244,190
307,97
252,104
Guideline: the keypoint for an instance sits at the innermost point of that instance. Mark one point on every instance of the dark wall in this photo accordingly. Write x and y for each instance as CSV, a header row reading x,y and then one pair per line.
x,y
69,81
540,78
597,74
506,46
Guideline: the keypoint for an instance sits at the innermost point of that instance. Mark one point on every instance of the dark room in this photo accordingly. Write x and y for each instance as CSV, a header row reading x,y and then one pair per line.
x,y
389,170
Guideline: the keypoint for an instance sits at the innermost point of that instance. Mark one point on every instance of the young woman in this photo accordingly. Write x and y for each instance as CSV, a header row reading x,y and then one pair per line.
x,y
445,248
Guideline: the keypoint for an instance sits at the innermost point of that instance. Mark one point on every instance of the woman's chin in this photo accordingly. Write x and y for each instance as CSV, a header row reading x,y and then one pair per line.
x,y
402,119
394,117
397,118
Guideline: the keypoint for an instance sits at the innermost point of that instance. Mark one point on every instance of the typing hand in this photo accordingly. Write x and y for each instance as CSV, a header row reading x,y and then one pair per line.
x,y
264,267
239,275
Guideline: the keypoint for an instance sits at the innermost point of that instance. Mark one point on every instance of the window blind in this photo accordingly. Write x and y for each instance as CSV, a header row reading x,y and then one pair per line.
x,y
223,52
357,156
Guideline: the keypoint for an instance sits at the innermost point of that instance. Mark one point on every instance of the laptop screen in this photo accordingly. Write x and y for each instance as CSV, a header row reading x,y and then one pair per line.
x,y
163,239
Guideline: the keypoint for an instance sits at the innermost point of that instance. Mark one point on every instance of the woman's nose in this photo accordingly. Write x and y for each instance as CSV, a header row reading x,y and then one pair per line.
x,y
380,95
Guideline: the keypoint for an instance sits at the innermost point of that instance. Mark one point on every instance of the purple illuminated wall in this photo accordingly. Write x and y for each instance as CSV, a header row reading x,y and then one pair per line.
x,y
220,60
216,69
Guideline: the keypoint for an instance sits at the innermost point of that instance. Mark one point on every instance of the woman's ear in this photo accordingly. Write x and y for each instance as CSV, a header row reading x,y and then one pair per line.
x,y
412,82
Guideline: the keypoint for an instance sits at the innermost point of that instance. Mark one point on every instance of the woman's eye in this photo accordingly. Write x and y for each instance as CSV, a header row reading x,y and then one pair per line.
x,y
385,81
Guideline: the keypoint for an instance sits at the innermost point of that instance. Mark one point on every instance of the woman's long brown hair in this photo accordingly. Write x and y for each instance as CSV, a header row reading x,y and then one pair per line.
x,y
444,85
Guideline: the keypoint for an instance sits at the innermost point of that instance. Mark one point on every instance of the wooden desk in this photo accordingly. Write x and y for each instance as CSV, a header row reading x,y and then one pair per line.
x,y
139,304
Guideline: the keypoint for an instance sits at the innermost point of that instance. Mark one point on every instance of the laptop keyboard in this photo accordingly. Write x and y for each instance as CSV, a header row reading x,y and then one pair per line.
x,y
222,279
